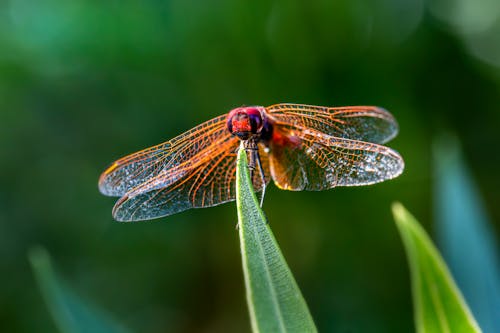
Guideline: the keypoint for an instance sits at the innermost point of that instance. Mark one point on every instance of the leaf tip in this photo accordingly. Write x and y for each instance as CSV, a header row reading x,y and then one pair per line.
x,y
398,211
38,257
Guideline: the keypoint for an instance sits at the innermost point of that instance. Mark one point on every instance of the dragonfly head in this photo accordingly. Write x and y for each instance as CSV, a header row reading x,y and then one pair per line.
x,y
246,122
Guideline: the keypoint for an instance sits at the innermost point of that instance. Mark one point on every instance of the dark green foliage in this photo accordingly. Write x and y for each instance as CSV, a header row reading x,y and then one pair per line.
x,y
84,82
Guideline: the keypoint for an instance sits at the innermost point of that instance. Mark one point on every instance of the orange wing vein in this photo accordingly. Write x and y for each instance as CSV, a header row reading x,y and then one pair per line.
x,y
195,169
323,147
321,162
210,183
363,123
175,157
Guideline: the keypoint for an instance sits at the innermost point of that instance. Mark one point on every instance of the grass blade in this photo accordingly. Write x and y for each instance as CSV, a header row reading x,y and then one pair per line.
x,y
439,305
70,313
274,299
465,233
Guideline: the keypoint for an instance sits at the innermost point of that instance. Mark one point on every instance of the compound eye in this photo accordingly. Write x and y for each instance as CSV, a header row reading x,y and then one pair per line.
x,y
255,119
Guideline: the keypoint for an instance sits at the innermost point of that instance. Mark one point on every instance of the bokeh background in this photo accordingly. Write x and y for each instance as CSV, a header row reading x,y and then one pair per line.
x,y
84,82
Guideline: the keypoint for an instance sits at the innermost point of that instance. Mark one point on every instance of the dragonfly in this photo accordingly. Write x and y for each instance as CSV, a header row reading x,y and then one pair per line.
x,y
300,147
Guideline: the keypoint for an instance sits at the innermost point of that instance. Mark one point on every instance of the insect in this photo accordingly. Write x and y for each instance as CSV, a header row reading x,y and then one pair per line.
x,y
300,147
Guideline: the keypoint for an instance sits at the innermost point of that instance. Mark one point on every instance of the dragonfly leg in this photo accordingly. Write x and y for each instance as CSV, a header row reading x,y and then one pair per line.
x,y
253,156
262,178
254,162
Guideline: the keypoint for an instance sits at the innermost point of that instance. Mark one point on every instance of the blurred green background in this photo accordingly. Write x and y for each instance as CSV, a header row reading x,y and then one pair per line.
x,y
85,82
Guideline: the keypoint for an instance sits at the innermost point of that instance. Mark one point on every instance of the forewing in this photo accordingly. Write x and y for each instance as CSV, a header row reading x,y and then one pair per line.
x,y
363,123
175,158
208,184
313,161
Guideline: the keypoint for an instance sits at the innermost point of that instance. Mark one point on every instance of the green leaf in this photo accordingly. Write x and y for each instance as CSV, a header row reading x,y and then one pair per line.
x,y
274,299
465,233
439,305
70,313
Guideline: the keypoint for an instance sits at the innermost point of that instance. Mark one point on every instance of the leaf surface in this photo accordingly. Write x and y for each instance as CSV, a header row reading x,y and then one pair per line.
x,y
438,303
274,299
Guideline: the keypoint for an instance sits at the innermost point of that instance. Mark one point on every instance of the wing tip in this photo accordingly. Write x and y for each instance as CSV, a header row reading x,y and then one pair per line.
x,y
103,184
400,165
111,168
116,210
123,215
393,130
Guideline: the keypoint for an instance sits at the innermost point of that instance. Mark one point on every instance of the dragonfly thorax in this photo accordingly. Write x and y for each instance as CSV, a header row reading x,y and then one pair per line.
x,y
246,122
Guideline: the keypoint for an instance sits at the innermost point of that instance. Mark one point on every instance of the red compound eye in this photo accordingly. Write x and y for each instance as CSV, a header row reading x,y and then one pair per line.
x,y
255,119
244,122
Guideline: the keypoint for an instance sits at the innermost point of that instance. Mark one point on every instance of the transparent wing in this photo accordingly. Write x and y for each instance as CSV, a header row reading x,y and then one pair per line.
x,y
208,184
309,160
177,157
363,123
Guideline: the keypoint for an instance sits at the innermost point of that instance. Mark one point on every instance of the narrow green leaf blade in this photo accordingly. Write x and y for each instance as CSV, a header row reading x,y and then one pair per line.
x,y
70,313
439,305
465,233
274,299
